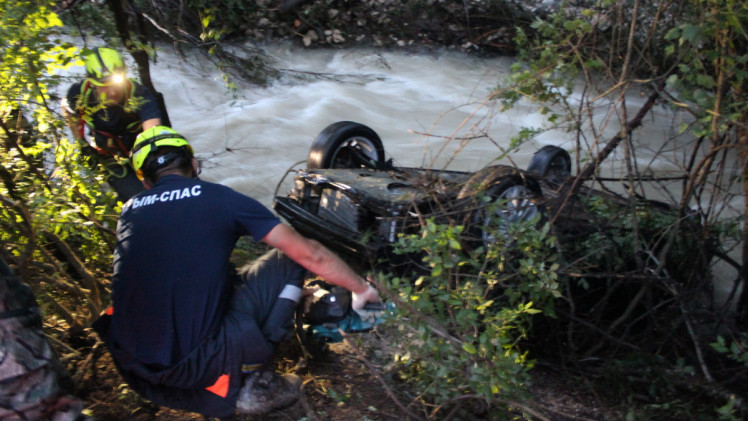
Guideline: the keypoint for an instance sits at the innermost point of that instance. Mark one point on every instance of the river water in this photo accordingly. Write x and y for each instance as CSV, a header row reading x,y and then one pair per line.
x,y
247,139
421,105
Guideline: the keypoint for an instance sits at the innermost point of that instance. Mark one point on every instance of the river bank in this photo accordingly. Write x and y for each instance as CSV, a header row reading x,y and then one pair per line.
x,y
468,27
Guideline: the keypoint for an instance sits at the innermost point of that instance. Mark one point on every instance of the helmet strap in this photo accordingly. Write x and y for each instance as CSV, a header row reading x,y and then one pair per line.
x,y
160,162
154,139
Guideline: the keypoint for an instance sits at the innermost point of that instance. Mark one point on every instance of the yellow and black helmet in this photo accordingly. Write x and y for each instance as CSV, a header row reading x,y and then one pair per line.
x,y
105,67
150,140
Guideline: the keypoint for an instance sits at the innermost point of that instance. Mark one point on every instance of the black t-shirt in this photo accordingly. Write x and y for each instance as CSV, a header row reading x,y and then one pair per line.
x,y
172,276
124,121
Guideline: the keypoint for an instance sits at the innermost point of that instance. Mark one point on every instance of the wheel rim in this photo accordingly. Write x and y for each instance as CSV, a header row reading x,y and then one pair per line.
x,y
353,153
515,204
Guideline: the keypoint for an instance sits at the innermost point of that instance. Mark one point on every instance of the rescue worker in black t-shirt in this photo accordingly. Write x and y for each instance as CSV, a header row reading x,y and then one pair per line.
x,y
185,329
115,109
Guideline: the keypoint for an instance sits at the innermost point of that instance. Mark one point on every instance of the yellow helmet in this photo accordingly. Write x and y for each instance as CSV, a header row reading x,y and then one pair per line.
x,y
105,67
150,140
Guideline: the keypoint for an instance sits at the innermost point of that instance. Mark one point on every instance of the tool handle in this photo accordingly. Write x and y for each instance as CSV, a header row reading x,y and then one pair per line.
x,y
380,306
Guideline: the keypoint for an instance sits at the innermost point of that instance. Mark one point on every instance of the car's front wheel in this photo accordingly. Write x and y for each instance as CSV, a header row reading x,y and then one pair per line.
x,y
346,144
494,198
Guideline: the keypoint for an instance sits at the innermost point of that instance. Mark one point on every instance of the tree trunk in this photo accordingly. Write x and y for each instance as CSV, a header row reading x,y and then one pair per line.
x,y
742,307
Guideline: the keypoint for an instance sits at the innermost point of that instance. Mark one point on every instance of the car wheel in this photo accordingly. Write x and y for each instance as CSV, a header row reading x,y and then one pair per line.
x,y
551,163
494,198
346,144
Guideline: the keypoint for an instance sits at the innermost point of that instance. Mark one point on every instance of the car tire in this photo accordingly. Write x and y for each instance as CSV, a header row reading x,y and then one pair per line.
x,y
517,194
551,163
346,144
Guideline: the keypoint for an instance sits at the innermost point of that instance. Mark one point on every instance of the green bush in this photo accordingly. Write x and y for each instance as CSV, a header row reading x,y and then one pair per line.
x,y
56,223
459,328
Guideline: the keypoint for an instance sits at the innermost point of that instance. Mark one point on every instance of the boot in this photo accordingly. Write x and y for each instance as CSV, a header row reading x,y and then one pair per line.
x,y
265,391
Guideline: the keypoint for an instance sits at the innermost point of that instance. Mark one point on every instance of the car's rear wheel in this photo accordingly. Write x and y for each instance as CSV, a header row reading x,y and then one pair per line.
x,y
346,144
551,163
494,198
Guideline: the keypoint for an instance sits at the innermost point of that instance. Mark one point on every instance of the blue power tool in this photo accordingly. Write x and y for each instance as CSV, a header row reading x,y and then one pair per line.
x,y
330,312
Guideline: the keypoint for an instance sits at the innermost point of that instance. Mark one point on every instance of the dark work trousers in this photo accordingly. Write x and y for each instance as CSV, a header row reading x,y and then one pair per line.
x,y
269,291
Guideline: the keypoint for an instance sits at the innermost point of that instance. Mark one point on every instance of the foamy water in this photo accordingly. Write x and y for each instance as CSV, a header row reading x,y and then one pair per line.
x,y
422,106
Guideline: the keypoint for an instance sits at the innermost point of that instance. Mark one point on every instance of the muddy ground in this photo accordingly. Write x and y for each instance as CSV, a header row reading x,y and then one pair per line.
x,y
341,384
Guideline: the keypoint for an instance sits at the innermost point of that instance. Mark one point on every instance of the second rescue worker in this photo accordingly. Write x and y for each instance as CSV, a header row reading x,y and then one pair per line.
x,y
115,109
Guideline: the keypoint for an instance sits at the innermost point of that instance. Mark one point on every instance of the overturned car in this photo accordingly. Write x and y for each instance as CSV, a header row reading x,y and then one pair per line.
x,y
622,256
354,201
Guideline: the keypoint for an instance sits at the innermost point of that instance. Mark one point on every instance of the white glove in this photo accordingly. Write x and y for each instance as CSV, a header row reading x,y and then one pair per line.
x,y
369,296
359,302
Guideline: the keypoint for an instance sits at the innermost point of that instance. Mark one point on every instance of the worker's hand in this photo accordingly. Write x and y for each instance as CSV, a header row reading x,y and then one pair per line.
x,y
364,311
369,296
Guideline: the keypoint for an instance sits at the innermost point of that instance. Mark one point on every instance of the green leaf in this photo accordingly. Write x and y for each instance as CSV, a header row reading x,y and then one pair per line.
x,y
672,82
706,81
485,305
691,32
673,34
595,63
469,348
437,270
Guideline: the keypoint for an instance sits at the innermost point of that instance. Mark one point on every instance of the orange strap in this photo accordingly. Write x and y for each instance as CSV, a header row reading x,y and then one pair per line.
x,y
221,386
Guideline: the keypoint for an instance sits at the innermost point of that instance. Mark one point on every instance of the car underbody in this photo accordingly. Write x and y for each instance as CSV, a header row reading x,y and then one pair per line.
x,y
357,204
